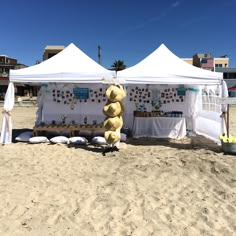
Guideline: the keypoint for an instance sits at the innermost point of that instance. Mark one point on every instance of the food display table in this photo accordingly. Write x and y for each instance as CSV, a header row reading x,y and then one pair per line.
x,y
159,127
69,128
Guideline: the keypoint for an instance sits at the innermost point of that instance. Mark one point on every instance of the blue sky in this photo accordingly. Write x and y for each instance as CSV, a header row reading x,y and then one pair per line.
x,y
126,30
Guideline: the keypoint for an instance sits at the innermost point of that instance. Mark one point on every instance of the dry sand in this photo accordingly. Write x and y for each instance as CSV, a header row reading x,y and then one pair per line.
x,y
150,187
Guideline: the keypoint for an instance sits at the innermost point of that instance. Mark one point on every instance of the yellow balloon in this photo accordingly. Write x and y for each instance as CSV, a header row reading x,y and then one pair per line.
x,y
225,139
222,136
230,139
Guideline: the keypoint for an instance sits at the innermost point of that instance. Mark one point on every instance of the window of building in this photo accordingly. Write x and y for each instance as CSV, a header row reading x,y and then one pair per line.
x,y
219,65
51,55
232,76
204,60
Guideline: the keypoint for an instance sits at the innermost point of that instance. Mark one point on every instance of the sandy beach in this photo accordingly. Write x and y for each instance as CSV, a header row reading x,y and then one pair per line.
x,y
150,187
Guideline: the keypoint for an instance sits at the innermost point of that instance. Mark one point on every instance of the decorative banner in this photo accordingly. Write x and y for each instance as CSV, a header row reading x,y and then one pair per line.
x,y
139,95
181,90
172,95
81,93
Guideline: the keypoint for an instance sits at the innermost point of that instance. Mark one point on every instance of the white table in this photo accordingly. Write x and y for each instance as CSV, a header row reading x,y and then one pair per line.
x,y
159,127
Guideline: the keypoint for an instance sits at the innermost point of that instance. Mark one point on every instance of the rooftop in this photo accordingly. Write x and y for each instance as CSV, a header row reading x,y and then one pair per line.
x,y
54,47
204,55
225,69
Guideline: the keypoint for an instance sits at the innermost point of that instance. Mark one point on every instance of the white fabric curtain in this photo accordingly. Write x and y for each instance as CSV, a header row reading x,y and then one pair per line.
x,y
224,95
40,101
6,132
192,96
209,120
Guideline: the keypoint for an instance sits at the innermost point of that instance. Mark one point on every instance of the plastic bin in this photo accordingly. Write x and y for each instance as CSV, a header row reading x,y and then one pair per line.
x,y
229,148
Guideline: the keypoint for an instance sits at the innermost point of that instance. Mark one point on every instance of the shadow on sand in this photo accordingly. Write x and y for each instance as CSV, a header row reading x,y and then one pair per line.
x,y
195,142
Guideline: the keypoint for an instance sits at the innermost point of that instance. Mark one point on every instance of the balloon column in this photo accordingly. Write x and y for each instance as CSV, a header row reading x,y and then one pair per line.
x,y
228,139
113,111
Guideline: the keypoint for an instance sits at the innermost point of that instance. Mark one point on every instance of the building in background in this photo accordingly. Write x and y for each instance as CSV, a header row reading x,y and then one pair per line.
x,y
50,51
207,61
229,75
221,62
204,61
218,64
7,64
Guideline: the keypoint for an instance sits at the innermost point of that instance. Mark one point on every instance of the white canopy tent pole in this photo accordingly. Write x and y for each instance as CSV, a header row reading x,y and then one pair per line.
x,y
6,132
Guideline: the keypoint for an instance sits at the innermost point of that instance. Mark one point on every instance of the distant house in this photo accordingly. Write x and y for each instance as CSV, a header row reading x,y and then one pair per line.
x,y
218,64
221,62
7,64
207,61
204,61
229,75
50,51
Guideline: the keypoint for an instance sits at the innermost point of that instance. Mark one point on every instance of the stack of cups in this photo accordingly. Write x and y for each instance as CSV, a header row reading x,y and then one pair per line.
x,y
113,111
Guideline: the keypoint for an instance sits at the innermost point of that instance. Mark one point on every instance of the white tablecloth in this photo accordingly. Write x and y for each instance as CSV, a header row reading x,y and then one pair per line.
x,y
159,127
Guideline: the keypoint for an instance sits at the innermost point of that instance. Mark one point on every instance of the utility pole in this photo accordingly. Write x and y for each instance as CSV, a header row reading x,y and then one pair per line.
x,y
99,54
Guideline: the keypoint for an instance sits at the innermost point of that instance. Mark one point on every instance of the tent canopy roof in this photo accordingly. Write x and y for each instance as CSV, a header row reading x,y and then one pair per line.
x,y
71,65
164,67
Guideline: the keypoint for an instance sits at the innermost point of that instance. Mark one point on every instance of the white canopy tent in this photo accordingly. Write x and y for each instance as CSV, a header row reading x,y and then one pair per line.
x,y
69,66
162,67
